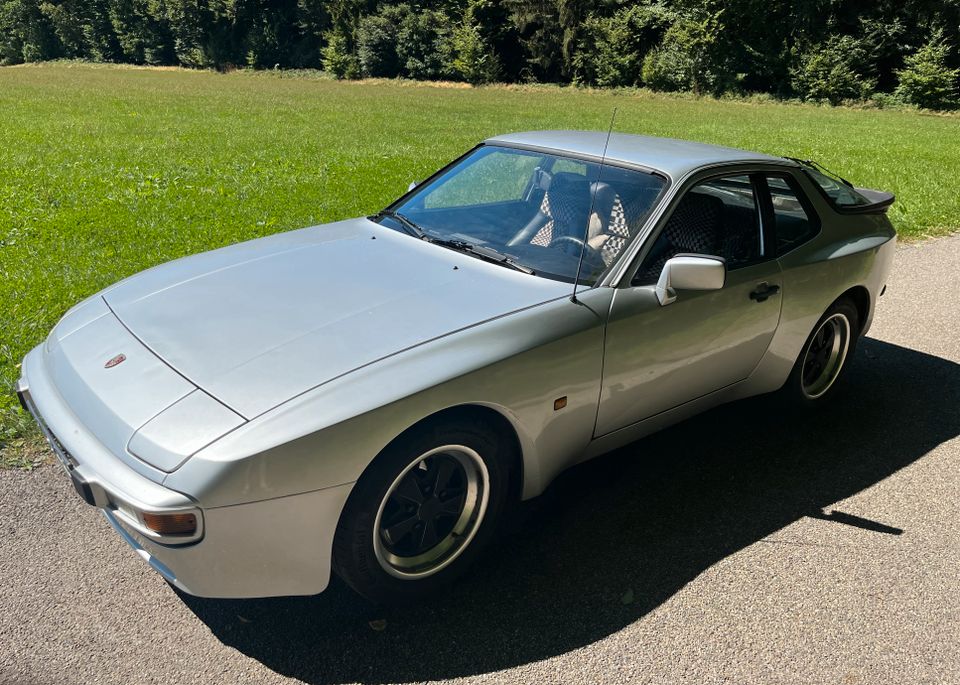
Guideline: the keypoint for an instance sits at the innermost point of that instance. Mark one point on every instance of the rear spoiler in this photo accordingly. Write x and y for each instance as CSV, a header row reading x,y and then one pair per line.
x,y
880,201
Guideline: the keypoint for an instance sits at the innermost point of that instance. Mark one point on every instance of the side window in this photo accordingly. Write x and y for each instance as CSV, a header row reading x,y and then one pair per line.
x,y
717,217
792,222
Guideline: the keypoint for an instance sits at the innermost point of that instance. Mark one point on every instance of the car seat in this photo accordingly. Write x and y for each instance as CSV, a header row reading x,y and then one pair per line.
x,y
694,227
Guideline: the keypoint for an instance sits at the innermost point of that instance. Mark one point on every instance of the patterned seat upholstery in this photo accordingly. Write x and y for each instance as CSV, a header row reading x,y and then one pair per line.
x,y
614,233
566,205
740,243
617,219
694,227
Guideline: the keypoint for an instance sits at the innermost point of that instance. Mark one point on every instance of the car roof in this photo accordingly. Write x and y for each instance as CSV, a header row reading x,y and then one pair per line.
x,y
672,156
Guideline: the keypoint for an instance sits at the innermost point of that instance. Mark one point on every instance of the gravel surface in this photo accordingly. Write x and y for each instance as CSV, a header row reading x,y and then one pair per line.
x,y
743,546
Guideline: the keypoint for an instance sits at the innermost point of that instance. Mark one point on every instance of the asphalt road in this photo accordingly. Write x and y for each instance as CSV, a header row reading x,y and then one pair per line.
x,y
744,546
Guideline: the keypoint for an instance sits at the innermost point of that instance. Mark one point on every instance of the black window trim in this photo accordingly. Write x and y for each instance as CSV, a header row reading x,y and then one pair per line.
x,y
766,225
812,216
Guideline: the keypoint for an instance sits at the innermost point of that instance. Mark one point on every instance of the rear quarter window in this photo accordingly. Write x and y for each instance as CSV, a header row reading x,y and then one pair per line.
x,y
794,220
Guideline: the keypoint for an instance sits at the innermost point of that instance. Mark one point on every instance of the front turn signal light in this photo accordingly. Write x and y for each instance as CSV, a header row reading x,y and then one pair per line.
x,y
171,524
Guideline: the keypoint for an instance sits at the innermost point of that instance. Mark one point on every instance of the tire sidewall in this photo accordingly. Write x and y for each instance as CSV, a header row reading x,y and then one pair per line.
x,y
793,389
355,560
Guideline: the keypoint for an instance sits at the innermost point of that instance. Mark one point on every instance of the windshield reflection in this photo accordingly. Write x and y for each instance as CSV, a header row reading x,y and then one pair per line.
x,y
533,209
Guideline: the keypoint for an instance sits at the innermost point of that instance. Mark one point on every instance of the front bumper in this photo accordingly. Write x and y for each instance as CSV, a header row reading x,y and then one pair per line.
x,y
271,547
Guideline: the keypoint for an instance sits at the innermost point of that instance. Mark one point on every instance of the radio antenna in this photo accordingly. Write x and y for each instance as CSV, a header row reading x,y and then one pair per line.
x,y
593,197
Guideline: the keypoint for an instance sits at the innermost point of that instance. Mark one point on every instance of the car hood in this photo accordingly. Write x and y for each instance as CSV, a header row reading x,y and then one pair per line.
x,y
257,323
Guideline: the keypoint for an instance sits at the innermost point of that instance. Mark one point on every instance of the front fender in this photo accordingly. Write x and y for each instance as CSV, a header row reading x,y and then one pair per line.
x,y
516,364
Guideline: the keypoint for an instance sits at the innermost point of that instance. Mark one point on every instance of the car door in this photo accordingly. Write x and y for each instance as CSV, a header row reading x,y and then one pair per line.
x,y
657,357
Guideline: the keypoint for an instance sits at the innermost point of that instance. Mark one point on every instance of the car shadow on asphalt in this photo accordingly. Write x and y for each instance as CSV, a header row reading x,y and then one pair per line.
x,y
613,539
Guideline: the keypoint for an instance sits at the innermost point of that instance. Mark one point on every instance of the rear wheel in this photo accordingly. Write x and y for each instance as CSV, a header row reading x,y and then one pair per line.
x,y
825,355
422,512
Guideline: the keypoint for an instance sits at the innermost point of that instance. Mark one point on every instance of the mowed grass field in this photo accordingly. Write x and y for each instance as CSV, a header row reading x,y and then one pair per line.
x,y
105,171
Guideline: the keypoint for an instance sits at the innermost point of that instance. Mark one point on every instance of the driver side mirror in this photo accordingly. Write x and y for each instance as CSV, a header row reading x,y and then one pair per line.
x,y
413,184
690,272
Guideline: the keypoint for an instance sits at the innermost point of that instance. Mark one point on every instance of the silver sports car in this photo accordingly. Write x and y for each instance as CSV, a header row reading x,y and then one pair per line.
x,y
368,396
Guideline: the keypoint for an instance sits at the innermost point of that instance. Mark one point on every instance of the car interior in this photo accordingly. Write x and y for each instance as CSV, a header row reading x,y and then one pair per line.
x,y
719,217
616,204
544,225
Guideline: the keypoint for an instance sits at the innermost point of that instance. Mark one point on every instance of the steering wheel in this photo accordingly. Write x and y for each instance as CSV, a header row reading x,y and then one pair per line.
x,y
573,246
592,259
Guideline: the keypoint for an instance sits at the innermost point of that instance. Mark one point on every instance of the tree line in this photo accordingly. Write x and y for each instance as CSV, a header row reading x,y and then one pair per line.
x,y
821,50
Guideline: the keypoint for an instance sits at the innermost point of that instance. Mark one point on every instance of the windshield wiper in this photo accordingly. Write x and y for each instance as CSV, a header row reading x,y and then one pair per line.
x,y
483,252
408,225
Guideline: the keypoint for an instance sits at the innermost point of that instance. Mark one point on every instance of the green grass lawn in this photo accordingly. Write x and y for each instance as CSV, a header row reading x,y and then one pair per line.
x,y
105,171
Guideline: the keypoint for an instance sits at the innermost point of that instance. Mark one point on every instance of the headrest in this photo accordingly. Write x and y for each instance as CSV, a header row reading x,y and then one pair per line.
x,y
575,186
569,202
695,224
603,198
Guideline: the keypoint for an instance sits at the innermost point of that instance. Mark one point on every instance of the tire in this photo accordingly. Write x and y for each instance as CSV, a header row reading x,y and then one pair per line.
x,y
825,356
423,511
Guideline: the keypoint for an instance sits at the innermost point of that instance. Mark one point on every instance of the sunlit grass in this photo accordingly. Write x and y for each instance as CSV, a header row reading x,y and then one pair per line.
x,y
105,171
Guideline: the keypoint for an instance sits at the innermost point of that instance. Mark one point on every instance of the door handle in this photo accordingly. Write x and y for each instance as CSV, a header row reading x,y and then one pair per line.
x,y
764,291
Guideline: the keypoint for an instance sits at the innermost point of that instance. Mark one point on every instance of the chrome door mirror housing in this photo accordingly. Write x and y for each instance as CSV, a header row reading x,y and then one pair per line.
x,y
690,272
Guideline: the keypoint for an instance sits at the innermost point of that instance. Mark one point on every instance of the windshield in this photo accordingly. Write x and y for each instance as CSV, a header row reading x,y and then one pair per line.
x,y
532,208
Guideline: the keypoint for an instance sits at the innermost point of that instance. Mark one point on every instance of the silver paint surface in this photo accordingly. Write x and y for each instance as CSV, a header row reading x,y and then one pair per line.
x,y
184,428
675,158
258,324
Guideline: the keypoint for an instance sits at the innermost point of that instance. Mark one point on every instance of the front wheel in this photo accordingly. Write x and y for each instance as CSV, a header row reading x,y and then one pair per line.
x,y
825,355
422,511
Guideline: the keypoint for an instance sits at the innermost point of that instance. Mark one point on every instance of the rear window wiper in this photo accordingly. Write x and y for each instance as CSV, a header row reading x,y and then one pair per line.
x,y
483,252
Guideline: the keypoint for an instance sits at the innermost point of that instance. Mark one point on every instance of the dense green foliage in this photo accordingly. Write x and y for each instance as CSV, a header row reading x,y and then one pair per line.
x,y
927,80
107,171
821,50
